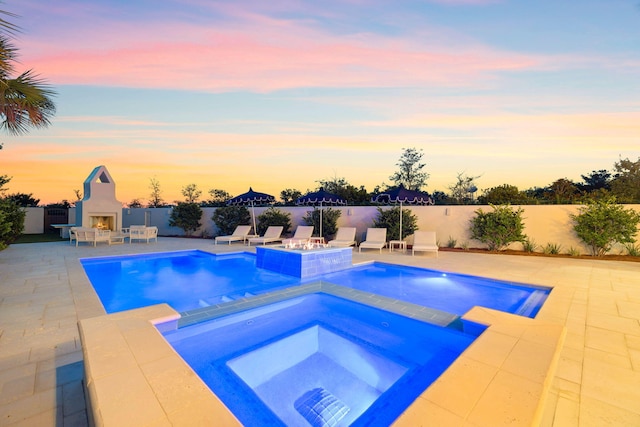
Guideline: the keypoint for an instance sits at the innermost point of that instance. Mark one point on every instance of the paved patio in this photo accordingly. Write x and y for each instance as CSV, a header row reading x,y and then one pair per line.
x,y
43,294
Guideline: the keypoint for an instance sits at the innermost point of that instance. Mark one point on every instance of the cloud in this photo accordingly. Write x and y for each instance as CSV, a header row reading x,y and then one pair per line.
x,y
260,53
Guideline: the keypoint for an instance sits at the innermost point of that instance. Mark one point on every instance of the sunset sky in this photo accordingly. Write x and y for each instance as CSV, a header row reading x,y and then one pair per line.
x,y
279,94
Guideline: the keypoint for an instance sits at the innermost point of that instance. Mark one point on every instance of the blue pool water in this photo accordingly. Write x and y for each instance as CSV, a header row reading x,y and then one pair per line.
x,y
189,280
318,360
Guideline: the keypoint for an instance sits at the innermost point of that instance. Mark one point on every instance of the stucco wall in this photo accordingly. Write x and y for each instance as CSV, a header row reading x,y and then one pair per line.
x,y
34,221
544,224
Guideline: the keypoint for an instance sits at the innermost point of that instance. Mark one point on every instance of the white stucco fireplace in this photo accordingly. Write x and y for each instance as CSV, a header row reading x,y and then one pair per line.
x,y
99,207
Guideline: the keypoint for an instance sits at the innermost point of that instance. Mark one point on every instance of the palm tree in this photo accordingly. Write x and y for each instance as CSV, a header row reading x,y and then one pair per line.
x,y
25,101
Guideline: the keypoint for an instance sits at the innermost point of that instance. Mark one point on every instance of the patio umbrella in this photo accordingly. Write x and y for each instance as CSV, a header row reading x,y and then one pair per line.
x,y
402,196
251,198
320,198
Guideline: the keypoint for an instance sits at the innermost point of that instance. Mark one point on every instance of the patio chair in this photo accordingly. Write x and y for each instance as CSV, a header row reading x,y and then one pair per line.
x,y
240,233
376,238
141,232
301,236
424,241
345,237
271,235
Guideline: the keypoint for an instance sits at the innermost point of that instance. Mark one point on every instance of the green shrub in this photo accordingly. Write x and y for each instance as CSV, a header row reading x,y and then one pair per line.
x,y
632,249
529,245
602,223
498,228
329,221
452,242
390,219
11,222
552,249
273,216
228,218
573,251
186,216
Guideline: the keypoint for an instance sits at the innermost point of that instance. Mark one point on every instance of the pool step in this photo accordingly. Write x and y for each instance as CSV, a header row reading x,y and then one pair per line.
x,y
208,302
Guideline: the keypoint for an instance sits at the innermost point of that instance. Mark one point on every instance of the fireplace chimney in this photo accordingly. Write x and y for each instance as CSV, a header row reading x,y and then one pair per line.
x,y
99,207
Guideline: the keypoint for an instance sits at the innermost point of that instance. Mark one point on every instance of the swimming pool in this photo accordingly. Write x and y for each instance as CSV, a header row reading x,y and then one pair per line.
x,y
318,359
191,280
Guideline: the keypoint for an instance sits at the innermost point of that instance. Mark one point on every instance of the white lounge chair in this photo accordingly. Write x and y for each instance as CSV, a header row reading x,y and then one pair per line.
x,y
301,236
424,241
240,233
271,235
376,238
345,237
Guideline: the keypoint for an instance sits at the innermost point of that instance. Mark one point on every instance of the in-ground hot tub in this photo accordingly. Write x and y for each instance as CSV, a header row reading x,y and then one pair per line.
x,y
319,359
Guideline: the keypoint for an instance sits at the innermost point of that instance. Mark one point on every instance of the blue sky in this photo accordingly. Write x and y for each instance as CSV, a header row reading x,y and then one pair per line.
x,y
275,95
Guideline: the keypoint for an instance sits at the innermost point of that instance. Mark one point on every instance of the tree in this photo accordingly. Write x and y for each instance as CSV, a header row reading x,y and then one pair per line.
x,y
186,216
78,194
463,190
504,194
562,191
602,223
135,203
626,182
24,200
289,196
498,228
410,172
229,217
596,180
25,101
191,193
340,187
218,197
155,199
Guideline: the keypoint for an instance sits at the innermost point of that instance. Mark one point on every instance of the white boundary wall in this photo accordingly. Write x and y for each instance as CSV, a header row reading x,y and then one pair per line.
x,y
34,221
544,224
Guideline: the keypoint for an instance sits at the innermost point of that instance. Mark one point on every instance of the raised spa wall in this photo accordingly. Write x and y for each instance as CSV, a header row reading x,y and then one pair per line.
x,y
134,377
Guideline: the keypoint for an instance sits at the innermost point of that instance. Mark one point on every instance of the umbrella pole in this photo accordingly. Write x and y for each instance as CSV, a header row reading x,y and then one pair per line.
x,y
400,220
320,220
253,214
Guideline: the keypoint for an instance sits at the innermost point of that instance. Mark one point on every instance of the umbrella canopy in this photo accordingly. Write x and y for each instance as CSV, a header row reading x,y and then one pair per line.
x,y
320,198
251,198
401,195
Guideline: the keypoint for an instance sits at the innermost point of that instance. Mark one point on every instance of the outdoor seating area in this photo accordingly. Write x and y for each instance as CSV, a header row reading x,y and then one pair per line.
x,y
89,235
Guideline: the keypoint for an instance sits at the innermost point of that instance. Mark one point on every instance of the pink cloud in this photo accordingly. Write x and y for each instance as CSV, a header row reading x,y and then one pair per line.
x,y
256,52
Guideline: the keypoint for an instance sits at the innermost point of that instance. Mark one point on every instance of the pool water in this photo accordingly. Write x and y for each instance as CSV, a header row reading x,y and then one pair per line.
x,y
318,360
189,280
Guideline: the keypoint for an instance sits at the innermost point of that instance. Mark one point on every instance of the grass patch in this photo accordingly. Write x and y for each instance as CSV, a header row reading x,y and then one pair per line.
x,y
39,238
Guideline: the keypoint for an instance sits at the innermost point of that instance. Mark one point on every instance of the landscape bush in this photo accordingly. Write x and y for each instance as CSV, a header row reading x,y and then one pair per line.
x,y
390,219
329,221
274,216
602,223
187,216
228,218
11,222
498,228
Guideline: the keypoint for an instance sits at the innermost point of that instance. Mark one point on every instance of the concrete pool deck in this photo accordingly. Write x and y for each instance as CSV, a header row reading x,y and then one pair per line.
x,y
44,293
